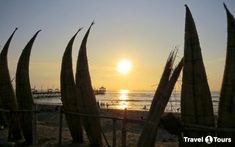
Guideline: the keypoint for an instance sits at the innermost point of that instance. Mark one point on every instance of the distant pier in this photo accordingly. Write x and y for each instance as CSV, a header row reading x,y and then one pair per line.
x,y
46,93
56,92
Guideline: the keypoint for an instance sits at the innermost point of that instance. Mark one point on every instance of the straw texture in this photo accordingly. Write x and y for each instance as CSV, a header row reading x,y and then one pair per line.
x,y
7,95
160,100
86,95
226,118
69,95
196,102
23,91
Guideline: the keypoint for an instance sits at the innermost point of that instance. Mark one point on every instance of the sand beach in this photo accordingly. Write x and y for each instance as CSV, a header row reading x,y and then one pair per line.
x,y
48,129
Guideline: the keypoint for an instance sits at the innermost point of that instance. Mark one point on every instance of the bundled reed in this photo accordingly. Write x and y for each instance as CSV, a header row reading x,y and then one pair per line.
x,y
160,100
69,95
86,95
196,102
7,95
23,91
226,115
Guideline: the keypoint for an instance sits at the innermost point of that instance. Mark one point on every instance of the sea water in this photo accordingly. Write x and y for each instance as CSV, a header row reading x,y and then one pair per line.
x,y
131,100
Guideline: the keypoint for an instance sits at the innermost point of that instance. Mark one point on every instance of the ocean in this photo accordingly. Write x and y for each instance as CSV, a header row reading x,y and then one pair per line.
x,y
131,100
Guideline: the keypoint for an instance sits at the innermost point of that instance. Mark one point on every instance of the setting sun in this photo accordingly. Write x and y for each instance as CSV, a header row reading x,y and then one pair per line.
x,y
124,66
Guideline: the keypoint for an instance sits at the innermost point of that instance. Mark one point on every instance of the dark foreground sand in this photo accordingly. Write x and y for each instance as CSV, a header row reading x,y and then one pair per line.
x,y
48,130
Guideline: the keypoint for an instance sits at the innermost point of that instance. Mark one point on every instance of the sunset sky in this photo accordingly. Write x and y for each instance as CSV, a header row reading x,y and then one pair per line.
x,y
142,32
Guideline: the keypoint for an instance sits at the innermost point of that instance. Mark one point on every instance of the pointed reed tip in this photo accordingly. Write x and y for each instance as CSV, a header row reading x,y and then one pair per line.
x,y
187,8
38,32
188,12
77,32
93,22
229,14
80,29
225,7
14,31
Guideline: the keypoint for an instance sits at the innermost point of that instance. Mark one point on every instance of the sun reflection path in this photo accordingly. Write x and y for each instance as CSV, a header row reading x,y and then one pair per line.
x,y
123,96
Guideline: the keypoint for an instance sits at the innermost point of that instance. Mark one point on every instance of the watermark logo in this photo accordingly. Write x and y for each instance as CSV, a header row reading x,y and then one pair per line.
x,y
208,139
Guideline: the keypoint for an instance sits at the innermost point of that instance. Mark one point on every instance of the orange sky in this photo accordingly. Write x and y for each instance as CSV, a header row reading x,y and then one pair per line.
x,y
143,32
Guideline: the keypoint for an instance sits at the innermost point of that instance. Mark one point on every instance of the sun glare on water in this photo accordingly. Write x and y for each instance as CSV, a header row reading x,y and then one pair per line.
x,y
123,97
124,91
124,66
123,94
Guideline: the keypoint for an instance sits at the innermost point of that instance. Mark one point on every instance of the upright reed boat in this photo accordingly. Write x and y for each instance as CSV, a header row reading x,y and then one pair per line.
x,y
7,95
226,115
23,91
86,95
69,95
196,101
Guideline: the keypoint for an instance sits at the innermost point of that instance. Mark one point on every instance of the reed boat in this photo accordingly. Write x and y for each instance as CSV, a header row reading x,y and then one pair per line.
x,y
196,100
69,95
160,100
7,95
86,95
23,91
226,115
